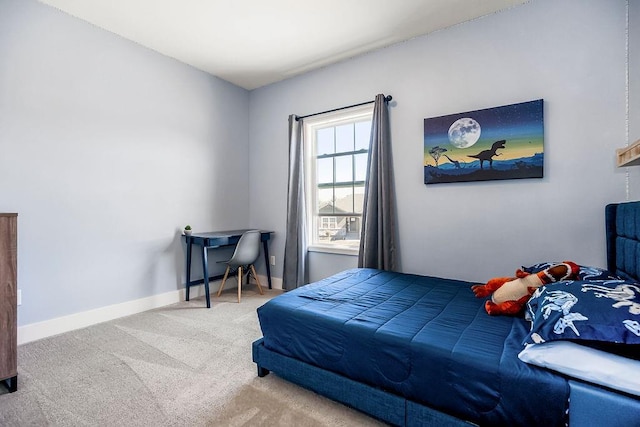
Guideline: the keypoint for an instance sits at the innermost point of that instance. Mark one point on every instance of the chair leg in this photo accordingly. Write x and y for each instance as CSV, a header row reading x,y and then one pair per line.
x,y
239,282
255,276
224,279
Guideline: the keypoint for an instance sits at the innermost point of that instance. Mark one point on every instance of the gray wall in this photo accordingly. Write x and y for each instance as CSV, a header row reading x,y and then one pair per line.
x,y
634,93
571,53
634,72
108,150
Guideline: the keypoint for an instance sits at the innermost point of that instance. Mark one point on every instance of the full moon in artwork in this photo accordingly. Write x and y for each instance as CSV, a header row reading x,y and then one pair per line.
x,y
464,132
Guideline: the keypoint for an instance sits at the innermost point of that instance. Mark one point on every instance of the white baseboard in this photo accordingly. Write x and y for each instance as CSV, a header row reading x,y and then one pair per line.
x,y
276,282
59,325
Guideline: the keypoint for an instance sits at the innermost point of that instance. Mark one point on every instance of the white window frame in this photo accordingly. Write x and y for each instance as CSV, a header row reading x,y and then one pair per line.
x,y
311,124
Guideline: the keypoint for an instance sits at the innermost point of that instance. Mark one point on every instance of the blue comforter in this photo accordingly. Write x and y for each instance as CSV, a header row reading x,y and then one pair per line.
x,y
425,338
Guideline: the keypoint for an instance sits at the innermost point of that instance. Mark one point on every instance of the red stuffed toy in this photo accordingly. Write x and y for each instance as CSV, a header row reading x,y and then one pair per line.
x,y
510,294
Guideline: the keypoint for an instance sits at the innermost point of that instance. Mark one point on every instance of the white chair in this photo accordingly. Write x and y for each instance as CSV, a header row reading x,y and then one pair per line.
x,y
246,253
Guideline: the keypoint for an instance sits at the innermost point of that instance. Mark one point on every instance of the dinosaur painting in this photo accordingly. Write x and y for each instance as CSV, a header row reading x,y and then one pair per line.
x,y
505,142
489,154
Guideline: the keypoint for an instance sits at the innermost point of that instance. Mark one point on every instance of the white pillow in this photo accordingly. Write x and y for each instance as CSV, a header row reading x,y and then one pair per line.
x,y
585,363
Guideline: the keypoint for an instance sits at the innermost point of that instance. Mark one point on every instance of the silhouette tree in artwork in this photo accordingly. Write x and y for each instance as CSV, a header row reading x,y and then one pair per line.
x,y
436,152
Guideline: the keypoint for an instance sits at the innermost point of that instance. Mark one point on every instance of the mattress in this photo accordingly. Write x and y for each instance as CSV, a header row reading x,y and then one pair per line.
x,y
424,338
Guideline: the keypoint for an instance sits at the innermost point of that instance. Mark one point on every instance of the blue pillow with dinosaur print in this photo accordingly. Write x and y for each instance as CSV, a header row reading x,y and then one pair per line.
x,y
595,310
586,272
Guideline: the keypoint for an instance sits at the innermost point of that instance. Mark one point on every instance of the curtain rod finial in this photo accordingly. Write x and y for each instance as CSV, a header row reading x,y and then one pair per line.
x,y
388,98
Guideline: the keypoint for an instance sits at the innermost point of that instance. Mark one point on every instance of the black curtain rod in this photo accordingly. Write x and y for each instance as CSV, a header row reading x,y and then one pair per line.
x,y
386,98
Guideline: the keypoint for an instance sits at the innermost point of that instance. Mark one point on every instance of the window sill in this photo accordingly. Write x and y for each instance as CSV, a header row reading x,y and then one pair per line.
x,y
336,250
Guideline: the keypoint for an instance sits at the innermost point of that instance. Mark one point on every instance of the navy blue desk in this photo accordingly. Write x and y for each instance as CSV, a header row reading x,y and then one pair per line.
x,y
217,239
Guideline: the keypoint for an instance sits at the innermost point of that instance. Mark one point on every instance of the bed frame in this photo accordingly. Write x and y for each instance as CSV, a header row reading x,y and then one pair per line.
x,y
589,404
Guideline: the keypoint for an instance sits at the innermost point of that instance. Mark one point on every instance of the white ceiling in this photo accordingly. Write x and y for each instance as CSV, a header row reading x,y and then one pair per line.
x,y
252,43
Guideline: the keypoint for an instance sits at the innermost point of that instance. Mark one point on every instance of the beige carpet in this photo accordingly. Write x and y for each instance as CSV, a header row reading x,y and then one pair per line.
x,y
181,365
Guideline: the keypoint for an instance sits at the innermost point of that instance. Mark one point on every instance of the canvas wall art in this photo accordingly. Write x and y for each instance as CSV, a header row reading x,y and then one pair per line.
x,y
504,142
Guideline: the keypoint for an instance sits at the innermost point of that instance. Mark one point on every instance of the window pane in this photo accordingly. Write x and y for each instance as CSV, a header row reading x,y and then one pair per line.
x,y
347,231
325,201
336,198
358,199
361,167
324,233
344,200
344,168
363,131
324,170
328,222
324,141
353,228
344,138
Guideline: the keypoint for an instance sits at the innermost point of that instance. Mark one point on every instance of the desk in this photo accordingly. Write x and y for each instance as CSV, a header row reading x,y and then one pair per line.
x,y
218,239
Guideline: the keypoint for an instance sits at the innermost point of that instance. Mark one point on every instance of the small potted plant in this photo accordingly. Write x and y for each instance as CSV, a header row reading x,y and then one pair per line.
x,y
187,230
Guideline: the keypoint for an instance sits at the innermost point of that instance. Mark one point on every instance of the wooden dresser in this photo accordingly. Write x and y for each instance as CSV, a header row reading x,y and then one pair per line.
x,y
8,300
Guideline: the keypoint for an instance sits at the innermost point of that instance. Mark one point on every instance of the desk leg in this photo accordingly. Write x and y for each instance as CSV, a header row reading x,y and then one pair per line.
x,y
188,267
265,246
11,384
205,275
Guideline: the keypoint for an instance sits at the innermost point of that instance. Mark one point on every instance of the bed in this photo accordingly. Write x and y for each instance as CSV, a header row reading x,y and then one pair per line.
x,y
418,350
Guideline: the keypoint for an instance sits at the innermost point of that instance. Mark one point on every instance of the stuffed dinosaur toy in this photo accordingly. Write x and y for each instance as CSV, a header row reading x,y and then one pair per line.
x,y
510,294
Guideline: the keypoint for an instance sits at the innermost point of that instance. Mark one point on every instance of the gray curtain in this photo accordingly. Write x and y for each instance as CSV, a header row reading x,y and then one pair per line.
x,y
295,249
378,238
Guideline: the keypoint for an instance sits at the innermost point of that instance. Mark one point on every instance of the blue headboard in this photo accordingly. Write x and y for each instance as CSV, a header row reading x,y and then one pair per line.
x,y
623,239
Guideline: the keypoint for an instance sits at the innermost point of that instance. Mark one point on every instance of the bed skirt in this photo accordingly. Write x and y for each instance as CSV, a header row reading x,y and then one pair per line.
x,y
388,407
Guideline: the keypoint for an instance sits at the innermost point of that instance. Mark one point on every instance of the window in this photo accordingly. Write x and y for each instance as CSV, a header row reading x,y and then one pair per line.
x,y
336,163
328,222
